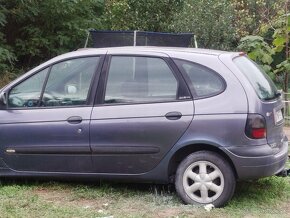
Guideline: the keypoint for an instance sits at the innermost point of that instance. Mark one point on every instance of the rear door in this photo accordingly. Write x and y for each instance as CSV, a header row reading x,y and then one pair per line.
x,y
143,108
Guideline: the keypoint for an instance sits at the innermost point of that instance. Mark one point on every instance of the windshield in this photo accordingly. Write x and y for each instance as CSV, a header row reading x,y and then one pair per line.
x,y
263,85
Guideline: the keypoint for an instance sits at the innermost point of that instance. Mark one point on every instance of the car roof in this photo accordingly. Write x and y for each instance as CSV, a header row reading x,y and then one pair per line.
x,y
155,49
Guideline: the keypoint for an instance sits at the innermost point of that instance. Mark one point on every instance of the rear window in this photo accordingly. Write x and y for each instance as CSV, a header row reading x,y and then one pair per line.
x,y
263,85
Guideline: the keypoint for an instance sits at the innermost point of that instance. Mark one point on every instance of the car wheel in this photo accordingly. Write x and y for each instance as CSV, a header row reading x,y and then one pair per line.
x,y
205,177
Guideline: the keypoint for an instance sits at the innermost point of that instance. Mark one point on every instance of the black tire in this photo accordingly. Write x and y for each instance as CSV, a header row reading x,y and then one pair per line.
x,y
224,182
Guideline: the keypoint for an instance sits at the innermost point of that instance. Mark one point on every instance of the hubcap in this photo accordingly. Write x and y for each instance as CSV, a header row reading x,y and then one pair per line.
x,y
203,182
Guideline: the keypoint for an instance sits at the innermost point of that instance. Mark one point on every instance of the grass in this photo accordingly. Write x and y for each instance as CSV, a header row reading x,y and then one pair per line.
x,y
269,197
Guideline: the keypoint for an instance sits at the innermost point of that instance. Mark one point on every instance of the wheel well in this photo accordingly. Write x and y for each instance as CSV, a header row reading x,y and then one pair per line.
x,y
189,149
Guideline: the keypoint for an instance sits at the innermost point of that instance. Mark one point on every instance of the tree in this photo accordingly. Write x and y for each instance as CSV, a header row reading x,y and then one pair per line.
x,y
209,20
281,43
275,56
7,57
251,16
259,51
149,15
38,30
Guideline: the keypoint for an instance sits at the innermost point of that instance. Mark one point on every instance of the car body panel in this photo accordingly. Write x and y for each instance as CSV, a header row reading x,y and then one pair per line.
x,y
137,142
134,138
43,139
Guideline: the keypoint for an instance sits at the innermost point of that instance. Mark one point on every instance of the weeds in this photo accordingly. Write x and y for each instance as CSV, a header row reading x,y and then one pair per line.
x,y
268,197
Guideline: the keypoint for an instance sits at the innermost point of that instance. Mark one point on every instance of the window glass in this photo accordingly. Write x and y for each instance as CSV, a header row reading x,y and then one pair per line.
x,y
27,93
140,79
69,82
204,82
263,85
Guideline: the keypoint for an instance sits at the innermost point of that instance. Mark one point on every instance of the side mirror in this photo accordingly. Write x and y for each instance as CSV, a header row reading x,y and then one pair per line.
x,y
71,89
3,98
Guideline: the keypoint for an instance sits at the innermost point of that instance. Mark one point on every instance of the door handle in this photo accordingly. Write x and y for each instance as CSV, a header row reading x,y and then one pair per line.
x,y
74,120
174,115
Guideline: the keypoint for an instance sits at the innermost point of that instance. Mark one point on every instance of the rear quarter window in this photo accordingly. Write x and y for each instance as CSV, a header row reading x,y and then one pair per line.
x,y
203,82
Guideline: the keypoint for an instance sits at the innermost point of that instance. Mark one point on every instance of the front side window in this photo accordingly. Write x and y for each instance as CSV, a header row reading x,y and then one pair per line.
x,y
203,81
68,84
140,79
27,93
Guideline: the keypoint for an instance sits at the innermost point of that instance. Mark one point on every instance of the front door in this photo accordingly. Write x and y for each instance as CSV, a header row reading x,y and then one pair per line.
x,y
145,108
46,125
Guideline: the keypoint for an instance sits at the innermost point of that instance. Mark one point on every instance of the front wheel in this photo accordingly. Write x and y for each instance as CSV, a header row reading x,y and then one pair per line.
x,y
205,177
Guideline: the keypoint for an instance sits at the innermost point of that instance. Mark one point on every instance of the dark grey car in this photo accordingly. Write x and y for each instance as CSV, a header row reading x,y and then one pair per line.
x,y
201,119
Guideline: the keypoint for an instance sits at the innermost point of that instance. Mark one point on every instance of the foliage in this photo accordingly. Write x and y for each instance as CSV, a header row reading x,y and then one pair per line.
x,y
252,16
281,40
149,15
259,51
32,31
275,55
210,20
7,57
38,30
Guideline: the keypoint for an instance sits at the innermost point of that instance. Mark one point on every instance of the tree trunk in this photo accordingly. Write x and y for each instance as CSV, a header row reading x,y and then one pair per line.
x,y
286,78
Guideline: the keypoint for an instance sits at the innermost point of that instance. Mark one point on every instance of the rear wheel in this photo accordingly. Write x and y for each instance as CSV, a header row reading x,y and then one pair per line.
x,y
205,177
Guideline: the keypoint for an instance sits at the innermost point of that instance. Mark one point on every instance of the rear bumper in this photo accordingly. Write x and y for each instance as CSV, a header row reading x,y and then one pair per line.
x,y
257,161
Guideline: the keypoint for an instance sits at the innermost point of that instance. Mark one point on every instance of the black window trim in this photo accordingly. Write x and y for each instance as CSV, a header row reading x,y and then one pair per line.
x,y
190,85
182,89
91,92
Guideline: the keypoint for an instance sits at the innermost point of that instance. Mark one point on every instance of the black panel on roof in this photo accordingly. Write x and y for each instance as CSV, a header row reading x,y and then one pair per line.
x,y
103,39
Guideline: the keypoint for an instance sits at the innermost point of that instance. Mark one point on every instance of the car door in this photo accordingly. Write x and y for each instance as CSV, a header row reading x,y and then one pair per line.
x,y
45,127
143,108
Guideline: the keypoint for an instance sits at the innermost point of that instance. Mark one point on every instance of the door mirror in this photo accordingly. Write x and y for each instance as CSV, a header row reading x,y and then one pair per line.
x,y
3,98
71,89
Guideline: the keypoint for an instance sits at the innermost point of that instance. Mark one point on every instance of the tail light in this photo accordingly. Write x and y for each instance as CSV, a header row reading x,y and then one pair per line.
x,y
256,126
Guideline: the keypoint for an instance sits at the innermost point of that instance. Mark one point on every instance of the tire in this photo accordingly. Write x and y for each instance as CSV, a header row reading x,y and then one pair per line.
x,y
205,177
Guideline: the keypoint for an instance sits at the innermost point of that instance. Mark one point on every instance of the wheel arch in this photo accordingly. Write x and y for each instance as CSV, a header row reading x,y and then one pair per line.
x,y
188,149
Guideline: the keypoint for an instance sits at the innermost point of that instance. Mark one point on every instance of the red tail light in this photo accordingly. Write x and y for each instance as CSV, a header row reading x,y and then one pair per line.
x,y
256,126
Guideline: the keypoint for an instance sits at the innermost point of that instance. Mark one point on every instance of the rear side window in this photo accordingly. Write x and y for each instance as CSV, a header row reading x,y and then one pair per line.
x,y
263,85
140,79
203,81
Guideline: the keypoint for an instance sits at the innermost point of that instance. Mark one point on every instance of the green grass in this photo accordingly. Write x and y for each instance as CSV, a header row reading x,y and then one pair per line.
x,y
269,197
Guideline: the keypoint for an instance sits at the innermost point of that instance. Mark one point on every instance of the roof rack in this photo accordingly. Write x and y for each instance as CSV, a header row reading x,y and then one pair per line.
x,y
107,38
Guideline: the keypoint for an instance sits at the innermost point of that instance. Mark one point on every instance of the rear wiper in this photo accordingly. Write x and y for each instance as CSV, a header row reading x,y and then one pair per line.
x,y
276,95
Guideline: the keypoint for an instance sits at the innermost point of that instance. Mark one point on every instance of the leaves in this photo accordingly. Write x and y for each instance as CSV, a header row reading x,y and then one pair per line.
x,y
210,20
38,30
257,49
149,15
284,66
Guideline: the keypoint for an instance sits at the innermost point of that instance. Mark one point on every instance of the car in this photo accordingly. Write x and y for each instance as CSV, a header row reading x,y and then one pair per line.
x,y
201,119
